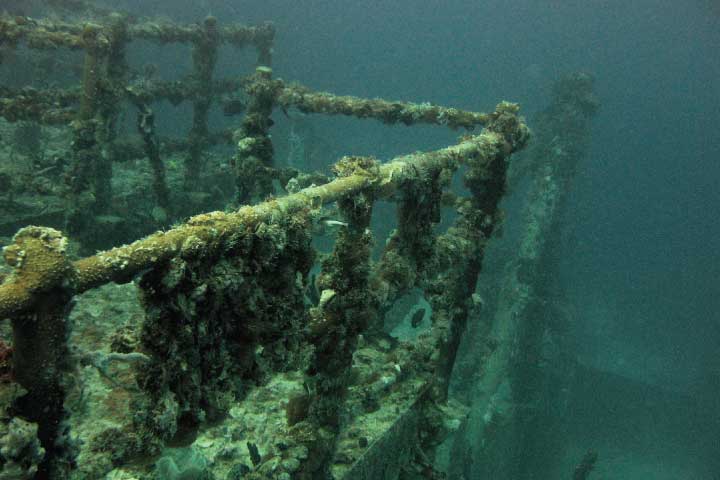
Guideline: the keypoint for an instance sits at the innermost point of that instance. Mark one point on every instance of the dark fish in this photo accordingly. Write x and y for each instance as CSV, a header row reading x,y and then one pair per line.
x,y
417,317
254,453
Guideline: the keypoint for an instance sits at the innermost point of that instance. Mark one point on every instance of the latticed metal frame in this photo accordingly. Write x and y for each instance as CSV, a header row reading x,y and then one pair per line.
x,y
36,295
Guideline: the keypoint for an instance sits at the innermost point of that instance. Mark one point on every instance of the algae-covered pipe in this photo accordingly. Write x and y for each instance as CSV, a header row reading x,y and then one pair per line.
x,y
209,231
50,34
42,105
390,112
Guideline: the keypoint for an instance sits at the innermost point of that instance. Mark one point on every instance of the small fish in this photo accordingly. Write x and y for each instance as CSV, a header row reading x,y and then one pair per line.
x,y
417,317
330,222
334,223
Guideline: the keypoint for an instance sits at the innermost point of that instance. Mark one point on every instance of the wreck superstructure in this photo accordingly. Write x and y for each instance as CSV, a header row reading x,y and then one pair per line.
x,y
249,353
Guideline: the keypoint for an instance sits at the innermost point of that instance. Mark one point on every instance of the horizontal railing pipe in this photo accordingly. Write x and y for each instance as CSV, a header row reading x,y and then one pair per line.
x,y
208,232
44,34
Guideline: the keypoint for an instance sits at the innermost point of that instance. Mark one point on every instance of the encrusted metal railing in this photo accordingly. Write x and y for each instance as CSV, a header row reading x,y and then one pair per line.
x,y
52,34
226,308
207,231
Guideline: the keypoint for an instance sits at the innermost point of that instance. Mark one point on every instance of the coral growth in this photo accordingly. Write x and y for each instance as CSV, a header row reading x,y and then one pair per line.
x,y
20,450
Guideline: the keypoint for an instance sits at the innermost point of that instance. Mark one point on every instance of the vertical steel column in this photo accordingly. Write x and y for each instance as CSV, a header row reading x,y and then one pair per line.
x,y
254,159
108,106
85,146
204,55
146,128
265,45
40,358
345,309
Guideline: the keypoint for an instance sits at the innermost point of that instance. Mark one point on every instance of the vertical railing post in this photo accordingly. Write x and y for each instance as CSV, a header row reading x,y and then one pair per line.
x,y
40,356
146,128
204,55
346,307
254,159
86,152
265,46
451,294
405,258
108,106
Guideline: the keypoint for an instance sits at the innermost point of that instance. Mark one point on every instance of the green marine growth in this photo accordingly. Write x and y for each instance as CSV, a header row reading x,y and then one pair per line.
x,y
409,248
344,310
215,323
182,464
